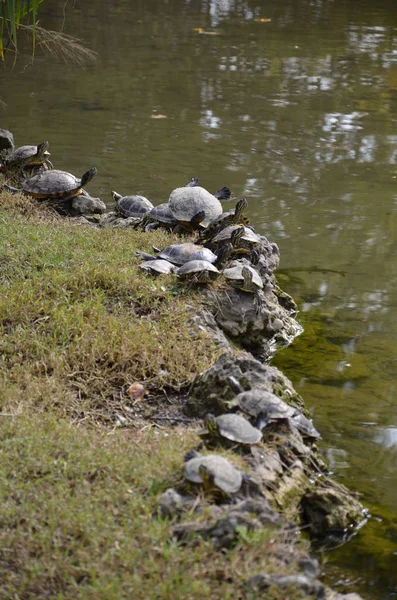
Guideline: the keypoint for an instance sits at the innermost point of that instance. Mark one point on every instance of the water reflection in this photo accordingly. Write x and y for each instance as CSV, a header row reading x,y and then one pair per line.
x,y
297,114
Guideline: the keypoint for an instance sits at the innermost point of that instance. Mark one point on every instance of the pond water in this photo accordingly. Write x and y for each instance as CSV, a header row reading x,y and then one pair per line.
x,y
292,104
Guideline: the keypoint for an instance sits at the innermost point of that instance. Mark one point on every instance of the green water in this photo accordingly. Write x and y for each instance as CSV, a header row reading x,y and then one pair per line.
x,y
299,115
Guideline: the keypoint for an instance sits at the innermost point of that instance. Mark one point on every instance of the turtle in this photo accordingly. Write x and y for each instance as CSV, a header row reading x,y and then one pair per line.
x,y
198,271
132,206
54,184
187,202
214,471
224,220
178,254
159,216
244,239
158,267
28,156
6,143
266,408
232,427
246,279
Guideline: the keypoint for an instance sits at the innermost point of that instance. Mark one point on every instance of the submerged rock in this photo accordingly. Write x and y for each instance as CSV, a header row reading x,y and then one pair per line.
x,y
6,143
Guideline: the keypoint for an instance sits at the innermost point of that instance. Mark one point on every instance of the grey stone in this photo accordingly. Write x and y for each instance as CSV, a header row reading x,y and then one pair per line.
x,y
213,390
6,142
87,205
312,587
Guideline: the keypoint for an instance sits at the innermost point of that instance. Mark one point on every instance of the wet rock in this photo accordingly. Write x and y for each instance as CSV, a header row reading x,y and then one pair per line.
x,y
309,586
6,143
215,388
331,595
83,204
330,510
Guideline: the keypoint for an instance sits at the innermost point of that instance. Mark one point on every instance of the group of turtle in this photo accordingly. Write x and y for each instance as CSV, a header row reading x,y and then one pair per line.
x,y
38,178
258,410
223,238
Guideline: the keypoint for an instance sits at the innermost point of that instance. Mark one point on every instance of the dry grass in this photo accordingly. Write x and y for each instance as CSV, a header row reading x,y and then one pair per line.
x,y
80,321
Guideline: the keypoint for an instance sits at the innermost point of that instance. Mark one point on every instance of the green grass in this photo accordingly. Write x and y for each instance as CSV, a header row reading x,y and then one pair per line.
x,y
79,321
79,519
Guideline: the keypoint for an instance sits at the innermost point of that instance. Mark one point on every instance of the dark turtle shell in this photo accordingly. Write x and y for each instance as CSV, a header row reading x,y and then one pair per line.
x,y
266,407
56,184
163,215
28,156
186,202
198,271
132,206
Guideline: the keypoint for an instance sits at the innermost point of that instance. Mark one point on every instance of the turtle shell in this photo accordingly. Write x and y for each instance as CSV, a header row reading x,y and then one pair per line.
x,y
56,184
237,429
235,276
202,269
163,214
29,155
180,254
267,408
132,206
257,401
226,476
186,202
249,238
158,266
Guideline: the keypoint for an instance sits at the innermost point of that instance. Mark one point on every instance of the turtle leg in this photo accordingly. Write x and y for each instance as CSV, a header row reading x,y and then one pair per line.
x,y
223,194
10,189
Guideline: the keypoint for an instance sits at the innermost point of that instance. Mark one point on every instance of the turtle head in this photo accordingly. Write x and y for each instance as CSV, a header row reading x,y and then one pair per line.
x,y
193,182
116,197
197,219
236,236
240,206
210,423
247,277
88,176
223,254
42,150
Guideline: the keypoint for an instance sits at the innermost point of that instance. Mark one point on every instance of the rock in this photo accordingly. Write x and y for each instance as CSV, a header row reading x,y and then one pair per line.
x,y
215,388
83,204
263,581
257,328
205,321
330,510
172,503
6,143
331,595
267,464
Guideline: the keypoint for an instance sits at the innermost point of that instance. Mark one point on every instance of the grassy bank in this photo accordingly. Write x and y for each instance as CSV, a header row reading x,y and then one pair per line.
x,y
79,323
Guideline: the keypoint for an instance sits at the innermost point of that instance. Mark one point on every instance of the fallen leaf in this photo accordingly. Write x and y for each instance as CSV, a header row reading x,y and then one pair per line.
x,y
159,117
262,20
201,30
136,391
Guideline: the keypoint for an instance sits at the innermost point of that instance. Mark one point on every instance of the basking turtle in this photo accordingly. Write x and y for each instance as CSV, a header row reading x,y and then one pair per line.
x,y
225,219
246,279
28,156
244,239
232,427
179,254
198,271
158,267
159,216
186,203
267,408
54,184
132,206
6,143
214,472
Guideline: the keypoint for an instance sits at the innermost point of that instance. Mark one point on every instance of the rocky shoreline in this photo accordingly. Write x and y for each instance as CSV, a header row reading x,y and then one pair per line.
x,y
282,483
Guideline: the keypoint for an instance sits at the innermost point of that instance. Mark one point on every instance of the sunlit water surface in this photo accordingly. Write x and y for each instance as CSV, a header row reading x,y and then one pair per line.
x,y
297,114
